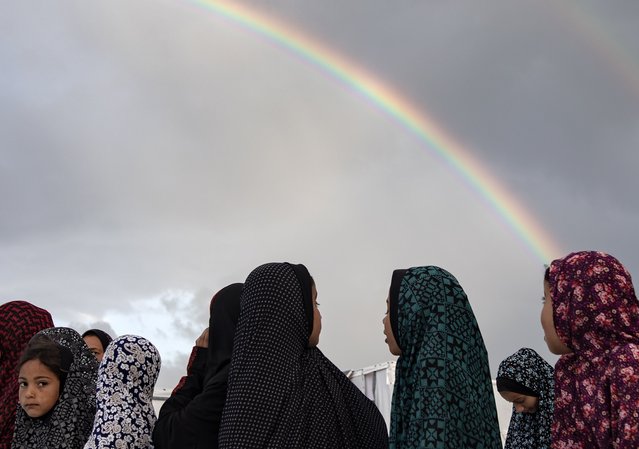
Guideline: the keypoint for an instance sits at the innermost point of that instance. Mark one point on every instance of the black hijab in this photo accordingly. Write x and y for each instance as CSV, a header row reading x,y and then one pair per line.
x,y
281,392
190,418
224,313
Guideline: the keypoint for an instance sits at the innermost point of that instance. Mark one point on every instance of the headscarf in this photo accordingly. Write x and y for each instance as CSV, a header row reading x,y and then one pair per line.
x,y
443,396
68,425
596,314
19,321
104,338
528,369
283,393
190,418
125,416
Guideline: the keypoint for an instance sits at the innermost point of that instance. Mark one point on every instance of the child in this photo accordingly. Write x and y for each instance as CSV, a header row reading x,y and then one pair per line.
x,y
526,380
57,375
443,396
126,378
591,317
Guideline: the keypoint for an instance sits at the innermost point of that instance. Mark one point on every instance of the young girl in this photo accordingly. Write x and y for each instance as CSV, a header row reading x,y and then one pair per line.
x,y
526,380
56,377
282,391
591,317
19,321
443,396
126,378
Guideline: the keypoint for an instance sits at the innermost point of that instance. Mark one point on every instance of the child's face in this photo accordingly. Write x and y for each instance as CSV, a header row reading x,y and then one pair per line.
x,y
522,403
39,388
555,345
393,347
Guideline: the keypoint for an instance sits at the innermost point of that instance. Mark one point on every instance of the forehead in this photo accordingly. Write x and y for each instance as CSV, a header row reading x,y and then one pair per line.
x,y
35,368
92,341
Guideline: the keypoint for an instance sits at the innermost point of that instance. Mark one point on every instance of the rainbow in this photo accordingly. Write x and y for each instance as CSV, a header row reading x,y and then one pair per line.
x,y
400,110
586,23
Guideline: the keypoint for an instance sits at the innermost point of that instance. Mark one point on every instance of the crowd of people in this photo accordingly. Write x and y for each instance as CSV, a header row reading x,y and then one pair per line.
x,y
256,379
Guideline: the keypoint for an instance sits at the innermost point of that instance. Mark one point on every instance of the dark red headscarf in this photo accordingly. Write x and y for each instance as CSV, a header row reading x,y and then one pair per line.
x,y
19,321
596,314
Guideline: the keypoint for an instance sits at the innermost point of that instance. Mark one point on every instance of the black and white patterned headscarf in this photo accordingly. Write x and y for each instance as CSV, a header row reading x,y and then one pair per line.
x,y
125,416
525,368
281,393
69,424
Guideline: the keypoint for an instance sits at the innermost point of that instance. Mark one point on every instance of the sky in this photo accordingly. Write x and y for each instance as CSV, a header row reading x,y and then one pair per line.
x,y
155,151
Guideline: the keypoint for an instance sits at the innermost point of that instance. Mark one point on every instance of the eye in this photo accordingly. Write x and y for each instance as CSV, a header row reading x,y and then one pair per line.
x,y
43,383
22,384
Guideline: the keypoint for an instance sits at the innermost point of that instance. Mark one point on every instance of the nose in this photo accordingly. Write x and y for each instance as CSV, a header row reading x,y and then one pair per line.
x,y
30,392
519,408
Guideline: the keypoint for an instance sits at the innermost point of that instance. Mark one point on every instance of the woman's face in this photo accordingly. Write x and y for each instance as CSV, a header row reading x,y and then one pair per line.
x,y
522,403
95,346
313,340
555,345
393,347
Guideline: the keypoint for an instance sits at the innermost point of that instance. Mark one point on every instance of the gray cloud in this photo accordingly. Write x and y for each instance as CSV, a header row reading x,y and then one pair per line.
x,y
152,153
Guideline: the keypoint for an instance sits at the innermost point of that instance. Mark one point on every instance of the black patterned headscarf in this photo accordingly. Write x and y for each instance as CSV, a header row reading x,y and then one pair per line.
x,y
126,378
443,396
281,392
527,369
68,425
19,321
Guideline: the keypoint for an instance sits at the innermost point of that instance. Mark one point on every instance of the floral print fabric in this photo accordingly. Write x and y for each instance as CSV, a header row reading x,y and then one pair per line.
x,y
596,314
68,425
530,430
126,378
19,321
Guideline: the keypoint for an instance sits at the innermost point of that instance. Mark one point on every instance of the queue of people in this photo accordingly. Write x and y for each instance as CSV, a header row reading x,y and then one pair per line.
x,y
256,378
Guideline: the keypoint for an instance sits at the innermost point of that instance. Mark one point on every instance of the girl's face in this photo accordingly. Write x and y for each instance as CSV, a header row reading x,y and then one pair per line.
x,y
555,345
522,403
39,388
393,347
313,340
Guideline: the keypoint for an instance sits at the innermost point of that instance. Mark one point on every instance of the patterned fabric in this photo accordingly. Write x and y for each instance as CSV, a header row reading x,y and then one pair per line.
x,y
596,314
443,396
19,321
68,425
281,393
125,416
530,430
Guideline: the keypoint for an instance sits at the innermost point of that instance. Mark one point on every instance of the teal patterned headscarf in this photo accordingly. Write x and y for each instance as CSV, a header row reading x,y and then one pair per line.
x,y
443,396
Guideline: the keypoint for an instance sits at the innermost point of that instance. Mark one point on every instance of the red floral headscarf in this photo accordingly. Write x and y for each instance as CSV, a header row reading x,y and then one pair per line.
x,y
19,321
596,314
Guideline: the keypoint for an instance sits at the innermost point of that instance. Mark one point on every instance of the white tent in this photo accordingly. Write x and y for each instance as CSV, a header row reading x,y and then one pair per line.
x,y
377,381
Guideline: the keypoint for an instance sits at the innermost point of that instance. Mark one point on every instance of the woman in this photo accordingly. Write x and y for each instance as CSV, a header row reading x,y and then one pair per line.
x,y
526,380
443,395
19,321
190,418
125,416
68,424
591,317
97,340
283,392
